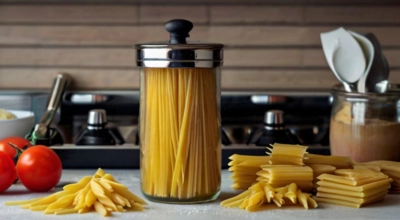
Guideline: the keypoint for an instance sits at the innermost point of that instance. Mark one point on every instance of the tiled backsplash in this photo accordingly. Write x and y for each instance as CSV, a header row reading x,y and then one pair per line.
x,y
270,44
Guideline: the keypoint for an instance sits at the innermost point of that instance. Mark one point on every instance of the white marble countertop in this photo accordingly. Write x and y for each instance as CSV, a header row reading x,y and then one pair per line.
x,y
386,209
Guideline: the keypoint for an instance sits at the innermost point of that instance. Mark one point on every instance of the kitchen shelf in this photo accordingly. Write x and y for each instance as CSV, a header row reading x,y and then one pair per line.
x,y
128,155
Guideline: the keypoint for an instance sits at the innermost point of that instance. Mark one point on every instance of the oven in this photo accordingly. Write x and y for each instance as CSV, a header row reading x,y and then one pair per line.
x,y
305,114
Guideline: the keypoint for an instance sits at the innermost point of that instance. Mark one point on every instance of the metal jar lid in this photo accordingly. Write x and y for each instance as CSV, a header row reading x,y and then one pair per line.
x,y
177,52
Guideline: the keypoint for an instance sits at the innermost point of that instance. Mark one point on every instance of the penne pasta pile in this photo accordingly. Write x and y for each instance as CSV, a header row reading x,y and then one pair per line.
x,y
244,169
286,166
282,175
100,192
334,179
260,195
352,187
287,154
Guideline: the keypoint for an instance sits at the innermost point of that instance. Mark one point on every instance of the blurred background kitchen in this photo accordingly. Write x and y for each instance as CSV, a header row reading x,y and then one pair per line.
x,y
273,50
270,44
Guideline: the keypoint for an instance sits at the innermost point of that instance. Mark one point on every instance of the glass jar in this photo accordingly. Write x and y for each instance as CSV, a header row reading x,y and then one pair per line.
x,y
365,126
179,124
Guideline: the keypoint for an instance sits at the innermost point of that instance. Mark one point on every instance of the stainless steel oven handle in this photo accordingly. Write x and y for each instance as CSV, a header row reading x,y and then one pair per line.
x,y
88,98
268,99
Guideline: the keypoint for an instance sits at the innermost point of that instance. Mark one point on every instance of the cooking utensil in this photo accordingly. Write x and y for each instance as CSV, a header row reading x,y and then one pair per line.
x,y
377,80
384,85
42,133
329,50
348,87
369,52
344,56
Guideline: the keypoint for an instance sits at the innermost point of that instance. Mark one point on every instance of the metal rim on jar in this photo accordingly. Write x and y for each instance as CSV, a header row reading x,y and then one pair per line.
x,y
205,56
392,93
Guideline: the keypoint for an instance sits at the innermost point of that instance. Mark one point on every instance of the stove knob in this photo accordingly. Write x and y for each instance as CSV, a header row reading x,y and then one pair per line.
x,y
274,118
273,131
97,119
97,133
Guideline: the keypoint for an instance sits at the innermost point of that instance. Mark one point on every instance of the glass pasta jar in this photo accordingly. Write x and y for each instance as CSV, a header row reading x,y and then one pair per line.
x,y
179,124
365,126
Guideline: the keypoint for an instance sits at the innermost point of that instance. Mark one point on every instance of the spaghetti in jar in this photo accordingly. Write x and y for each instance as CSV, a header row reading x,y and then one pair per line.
x,y
179,124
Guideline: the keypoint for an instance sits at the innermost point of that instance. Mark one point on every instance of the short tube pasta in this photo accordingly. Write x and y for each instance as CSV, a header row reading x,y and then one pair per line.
x,y
100,192
260,195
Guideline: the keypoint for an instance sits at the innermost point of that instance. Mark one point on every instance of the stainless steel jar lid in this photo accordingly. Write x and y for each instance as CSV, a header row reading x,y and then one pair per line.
x,y
177,52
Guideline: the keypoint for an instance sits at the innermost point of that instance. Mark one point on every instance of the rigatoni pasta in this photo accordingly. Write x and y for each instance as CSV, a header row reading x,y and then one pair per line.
x,y
179,134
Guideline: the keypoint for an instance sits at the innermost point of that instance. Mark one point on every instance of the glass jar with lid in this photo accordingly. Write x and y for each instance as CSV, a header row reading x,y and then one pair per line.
x,y
179,124
365,126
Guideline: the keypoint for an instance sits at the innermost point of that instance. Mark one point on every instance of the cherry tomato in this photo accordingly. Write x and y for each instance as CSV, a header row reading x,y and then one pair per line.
x,y
7,171
19,142
39,168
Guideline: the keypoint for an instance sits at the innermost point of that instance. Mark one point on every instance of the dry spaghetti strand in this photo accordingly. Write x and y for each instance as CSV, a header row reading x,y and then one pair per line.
x,y
179,131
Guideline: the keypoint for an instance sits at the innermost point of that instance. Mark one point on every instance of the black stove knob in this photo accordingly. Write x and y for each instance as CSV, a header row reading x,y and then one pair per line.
x,y
96,133
274,131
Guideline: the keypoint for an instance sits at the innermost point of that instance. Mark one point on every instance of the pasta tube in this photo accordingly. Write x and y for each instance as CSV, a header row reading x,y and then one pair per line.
x,y
261,195
100,192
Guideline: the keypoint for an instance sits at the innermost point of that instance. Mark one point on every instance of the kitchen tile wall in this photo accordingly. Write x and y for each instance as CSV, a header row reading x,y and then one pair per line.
x,y
270,44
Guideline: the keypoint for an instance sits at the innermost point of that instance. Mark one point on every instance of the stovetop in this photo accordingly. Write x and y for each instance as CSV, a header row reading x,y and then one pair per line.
x,y
306,114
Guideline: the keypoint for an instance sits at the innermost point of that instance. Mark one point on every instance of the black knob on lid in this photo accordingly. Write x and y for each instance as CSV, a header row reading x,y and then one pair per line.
x,y
179,30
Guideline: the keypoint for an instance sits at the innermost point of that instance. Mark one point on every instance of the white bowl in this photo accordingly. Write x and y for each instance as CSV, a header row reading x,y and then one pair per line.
x,y
19,126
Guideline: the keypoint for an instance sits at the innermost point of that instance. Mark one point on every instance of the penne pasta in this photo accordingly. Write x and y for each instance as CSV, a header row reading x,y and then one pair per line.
x,y
65,211
77,186
101,193
99,207
20,203
287,154
258,196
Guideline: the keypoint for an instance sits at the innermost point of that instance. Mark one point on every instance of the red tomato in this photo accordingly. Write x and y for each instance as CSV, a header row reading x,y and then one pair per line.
x,y
7,172
17,141
39,168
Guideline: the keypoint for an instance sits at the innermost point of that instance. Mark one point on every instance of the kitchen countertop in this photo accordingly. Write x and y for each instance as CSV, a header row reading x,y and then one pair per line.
x,y
386,209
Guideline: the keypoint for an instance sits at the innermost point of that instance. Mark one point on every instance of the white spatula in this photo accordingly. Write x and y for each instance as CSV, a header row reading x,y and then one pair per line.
x,y
368,51
344,56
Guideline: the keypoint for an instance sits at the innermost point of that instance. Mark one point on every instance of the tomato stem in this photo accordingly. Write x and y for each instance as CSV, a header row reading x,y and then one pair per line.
x,y
18,152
